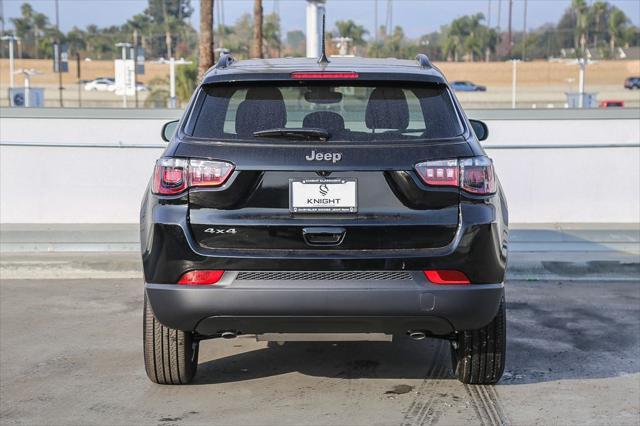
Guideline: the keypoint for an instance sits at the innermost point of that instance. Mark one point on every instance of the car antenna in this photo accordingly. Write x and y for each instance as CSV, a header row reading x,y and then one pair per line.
x,y
323,55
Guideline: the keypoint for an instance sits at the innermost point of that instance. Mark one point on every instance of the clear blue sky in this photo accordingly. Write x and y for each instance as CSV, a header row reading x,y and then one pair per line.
x,y
417,17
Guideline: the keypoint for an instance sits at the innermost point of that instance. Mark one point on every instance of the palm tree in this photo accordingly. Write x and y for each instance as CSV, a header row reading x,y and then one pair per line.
x,y
598,10
473,43
617,27
256,47
582,23
206,37
455,39
353,31
40,23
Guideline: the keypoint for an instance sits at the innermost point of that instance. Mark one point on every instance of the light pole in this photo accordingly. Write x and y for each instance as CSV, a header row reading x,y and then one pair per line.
x,y
583,68
57,53
172,74
12,66
125,71
27,74
514,79
315,11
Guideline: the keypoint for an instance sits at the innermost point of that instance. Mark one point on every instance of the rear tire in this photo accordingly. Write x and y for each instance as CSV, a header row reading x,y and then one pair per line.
x,y
170,356
480,354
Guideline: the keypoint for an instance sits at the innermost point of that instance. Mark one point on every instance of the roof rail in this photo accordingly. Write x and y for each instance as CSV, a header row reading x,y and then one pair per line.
x,y
423,60
225,60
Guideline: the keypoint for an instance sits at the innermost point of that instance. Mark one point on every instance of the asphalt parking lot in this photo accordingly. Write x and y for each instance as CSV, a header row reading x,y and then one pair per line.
x,y
71,354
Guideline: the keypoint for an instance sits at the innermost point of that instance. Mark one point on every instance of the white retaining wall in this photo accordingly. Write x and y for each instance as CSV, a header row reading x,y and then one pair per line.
x,y
92,166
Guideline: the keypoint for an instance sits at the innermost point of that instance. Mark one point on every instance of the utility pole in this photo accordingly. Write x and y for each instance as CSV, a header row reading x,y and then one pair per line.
x,y
206,37
375,20
79,80
489,14
524,40
499,15
509,39
60,88
257,29
389,17
1,16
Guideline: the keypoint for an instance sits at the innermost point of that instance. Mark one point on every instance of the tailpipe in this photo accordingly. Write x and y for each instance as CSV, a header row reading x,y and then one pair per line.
x,y
417,335
228,335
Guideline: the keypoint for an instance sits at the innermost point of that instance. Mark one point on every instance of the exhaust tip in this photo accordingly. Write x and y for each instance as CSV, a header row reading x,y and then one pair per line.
x,y
228,335
417,335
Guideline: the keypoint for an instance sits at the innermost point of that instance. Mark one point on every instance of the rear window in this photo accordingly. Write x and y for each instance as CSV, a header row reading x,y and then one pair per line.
x,y
339,112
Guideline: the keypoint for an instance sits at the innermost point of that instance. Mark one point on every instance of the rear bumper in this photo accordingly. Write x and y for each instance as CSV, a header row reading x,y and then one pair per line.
x,y
325,307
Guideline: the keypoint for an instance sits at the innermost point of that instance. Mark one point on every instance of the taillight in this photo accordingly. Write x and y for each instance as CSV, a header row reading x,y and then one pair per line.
x,y
170,176
324,75
446,277
440,173
208,173
201,277
477,175
174,175
473,175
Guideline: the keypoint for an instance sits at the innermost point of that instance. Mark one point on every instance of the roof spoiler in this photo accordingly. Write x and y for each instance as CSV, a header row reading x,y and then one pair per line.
x,y
225,60
424,61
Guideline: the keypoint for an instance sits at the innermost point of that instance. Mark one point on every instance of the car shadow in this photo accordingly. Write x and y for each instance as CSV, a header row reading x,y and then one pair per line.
x,y
556,331
401,359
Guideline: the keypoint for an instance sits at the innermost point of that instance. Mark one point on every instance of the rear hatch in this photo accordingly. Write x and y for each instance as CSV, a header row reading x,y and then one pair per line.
x,y
324,166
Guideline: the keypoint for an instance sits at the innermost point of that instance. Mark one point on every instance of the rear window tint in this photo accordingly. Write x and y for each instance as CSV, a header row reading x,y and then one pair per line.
x,y
346,113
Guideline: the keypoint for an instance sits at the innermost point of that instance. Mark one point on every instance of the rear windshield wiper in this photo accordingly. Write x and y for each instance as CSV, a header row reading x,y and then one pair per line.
x,y
303,133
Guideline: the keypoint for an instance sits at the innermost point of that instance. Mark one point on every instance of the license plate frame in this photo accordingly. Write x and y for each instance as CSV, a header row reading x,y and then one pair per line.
x,y
348,186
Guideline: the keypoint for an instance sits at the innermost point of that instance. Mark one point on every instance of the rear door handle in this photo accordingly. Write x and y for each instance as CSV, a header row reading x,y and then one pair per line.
x,y
323,236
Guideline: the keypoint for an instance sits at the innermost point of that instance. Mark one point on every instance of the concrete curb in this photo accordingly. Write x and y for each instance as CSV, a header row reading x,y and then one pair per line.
x,y
570,252
522,266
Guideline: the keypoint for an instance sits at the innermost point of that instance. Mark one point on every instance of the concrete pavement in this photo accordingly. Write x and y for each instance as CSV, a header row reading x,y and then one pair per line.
x,y
71,353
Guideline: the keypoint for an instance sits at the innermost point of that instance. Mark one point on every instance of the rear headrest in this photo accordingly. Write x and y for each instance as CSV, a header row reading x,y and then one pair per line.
x,y
263,108
387,109
331,121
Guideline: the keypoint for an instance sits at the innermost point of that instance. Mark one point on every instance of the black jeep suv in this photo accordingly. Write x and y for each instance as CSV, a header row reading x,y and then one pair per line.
x,y
307,200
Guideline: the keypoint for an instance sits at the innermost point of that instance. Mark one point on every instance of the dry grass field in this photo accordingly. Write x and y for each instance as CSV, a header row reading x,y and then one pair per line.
x,y
540,83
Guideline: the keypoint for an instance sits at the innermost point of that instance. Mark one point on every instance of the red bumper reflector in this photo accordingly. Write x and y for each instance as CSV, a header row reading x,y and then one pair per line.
x,y
326,75
439,276
202,277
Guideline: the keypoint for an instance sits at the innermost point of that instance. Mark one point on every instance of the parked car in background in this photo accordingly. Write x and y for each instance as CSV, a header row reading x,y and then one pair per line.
x,y
632,83
467,86
611,104
101,84
140,87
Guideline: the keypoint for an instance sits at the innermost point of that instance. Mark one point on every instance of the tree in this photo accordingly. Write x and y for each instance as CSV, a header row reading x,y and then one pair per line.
x,y
140,27
351,30
256,46
186,81
206,37
295,43
271,35
168,17
31,27
581,11
617,27
598,11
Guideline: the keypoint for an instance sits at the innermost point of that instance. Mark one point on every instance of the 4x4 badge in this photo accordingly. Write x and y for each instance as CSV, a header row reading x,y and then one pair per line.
x,y
221,231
